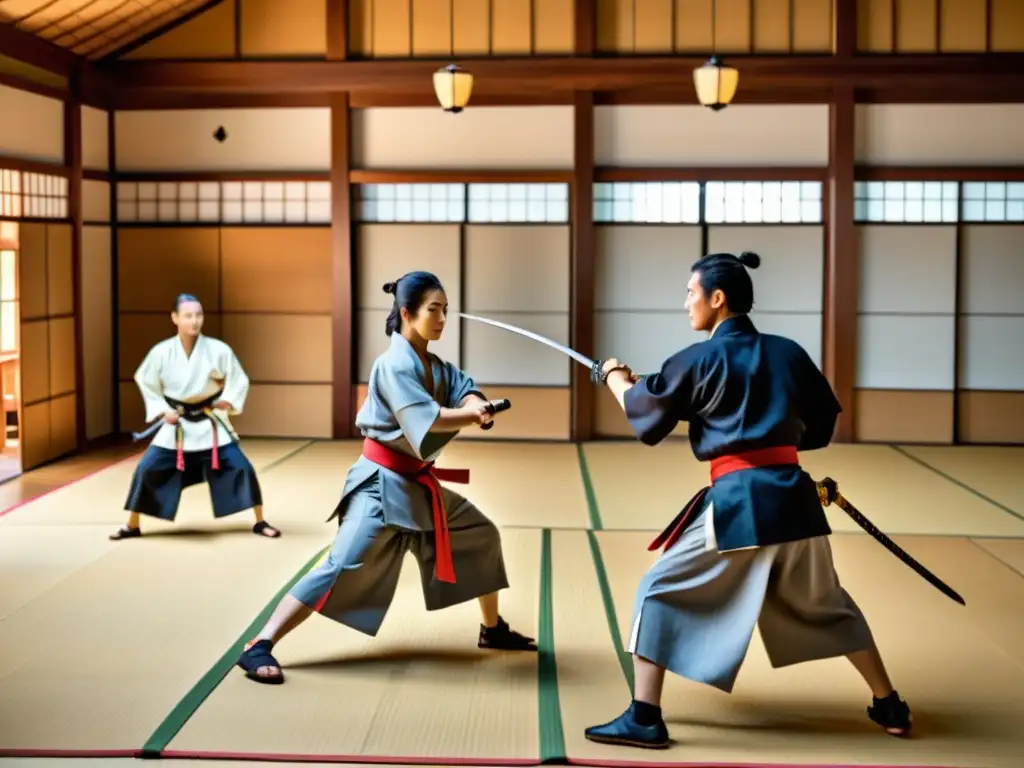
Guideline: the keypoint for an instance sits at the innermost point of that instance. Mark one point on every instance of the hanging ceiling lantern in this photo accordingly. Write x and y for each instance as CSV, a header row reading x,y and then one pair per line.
x,y
453,87
716,85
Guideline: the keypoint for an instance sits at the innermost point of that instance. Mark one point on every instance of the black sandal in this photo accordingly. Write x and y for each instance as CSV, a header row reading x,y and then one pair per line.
x,y
892,713
262,526
501,637
256,656
126,533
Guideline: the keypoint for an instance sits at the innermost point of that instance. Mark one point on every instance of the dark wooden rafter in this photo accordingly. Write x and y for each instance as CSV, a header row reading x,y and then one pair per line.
x,y
988,73
36,51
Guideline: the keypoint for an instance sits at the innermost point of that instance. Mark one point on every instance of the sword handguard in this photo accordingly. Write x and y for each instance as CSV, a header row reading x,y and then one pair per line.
x,y
598,376
828,491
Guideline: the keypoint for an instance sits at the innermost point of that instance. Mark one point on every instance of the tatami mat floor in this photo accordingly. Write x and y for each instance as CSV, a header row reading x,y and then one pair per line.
x,y
109,648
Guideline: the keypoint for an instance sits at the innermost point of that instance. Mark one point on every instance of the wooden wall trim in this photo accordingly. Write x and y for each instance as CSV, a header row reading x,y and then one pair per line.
x,y
841,258
582,270
73,161
33,166
934,173
297,175
467,176
525,176
735,173
31,86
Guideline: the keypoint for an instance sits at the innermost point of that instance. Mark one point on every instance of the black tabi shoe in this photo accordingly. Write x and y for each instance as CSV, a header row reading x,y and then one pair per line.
x,y
892,713
626,731
256,656
126,533
501,637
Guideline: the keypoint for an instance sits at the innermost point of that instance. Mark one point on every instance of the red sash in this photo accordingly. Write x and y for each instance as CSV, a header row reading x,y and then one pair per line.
x,y
720,467
427,475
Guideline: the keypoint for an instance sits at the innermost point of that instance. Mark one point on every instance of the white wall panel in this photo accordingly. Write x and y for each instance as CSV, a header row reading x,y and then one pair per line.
x,y
791,275
95,200
992,264
95,139
496,356
481,137
905,352
907,269
385,252
644,267
992,353
939,134
906,323
269,139
517,268
37,133
751,135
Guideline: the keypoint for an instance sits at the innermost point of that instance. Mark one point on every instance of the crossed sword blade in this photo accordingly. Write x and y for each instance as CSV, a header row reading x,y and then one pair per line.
x,y
828,489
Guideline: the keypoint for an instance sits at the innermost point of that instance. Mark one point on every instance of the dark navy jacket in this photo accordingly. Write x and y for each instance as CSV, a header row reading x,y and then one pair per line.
x,y
742,390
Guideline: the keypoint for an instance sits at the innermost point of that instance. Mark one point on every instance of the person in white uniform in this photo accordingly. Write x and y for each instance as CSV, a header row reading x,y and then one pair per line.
x,y
193,383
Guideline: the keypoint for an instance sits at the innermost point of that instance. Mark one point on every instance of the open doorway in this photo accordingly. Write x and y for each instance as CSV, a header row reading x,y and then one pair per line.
x,y
10,345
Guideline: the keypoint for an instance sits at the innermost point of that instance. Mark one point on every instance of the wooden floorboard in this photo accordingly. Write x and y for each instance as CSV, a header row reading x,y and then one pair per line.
x,y
44,479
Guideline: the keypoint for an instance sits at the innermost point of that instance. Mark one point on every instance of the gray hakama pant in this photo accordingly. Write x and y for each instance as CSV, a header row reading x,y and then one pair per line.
x,y
696,607
354,583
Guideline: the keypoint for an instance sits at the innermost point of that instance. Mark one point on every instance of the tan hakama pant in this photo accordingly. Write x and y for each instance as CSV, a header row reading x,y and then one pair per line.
x,y
696,607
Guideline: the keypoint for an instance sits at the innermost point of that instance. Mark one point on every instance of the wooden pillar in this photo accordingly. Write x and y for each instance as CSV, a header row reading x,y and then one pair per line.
x,y
841,262
582,286
342,337
73,162
842,250
115,310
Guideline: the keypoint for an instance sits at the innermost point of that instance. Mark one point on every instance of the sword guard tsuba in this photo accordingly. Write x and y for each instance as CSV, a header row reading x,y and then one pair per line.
x,y
596,376
828,491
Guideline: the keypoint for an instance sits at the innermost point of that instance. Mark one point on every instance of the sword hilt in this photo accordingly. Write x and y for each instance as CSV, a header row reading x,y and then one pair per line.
x,y
496,406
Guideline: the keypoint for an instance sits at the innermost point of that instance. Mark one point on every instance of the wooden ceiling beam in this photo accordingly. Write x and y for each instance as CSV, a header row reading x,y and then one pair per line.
x,y
36,51
953,74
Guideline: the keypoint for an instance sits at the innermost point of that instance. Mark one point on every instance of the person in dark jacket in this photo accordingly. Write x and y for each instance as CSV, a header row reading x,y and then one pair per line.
x,y
753,547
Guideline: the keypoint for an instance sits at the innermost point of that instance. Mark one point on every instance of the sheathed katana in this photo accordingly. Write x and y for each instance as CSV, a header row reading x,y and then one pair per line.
x,y
828,489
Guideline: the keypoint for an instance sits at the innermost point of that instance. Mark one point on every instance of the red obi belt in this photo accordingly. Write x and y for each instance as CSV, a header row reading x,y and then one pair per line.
x,y
720,467
427,475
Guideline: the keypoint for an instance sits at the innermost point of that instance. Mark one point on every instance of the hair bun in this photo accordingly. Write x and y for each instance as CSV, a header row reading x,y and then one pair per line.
x,y
749,260
390,287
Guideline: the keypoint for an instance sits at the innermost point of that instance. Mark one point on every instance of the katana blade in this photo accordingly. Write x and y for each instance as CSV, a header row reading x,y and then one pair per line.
x,y
578,357
828,493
